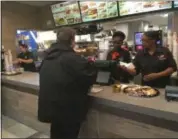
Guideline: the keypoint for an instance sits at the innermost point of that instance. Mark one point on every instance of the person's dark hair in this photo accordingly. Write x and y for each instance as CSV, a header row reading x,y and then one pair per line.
x,y
24,46
152,35
119,34
65,35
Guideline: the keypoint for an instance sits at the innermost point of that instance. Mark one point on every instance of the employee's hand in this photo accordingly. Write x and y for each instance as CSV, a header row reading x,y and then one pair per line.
x,y
123,67
16,62
151,76
129,70
20,60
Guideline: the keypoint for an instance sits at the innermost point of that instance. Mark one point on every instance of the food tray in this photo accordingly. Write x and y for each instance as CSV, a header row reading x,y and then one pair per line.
x,y
146,96
12,74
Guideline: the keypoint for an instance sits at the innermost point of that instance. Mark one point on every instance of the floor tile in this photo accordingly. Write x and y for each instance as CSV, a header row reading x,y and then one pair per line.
x,y
21,131
6,134
39,136
7,122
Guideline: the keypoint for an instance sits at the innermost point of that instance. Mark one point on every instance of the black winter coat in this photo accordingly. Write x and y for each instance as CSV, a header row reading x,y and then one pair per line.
x,y
65,80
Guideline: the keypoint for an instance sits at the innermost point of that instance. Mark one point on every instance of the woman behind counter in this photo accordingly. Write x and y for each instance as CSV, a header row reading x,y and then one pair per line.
x,y
25,59
156,64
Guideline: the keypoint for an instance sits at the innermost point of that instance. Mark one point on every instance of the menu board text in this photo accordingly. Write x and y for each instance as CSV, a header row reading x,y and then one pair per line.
x,y
66,13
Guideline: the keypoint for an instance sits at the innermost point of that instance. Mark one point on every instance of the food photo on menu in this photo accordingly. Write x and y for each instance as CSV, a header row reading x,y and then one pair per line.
x,y
60,19
156,5
94,10
88,10
73,13
129,7
102,10
59,14
112,9
66,13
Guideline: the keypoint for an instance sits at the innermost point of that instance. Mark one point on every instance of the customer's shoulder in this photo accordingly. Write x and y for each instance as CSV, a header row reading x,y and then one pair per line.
x,y
71,56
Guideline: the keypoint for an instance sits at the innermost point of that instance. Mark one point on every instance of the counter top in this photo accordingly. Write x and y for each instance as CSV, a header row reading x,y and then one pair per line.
x,y
156,107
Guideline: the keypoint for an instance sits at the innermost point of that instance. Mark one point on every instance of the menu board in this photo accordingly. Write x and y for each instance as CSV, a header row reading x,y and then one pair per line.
x,y
96,10
176,4
130,7
156,5
66,13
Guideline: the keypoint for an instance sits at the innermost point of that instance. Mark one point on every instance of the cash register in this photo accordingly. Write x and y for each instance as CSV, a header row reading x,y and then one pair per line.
x,y
104,74
171,93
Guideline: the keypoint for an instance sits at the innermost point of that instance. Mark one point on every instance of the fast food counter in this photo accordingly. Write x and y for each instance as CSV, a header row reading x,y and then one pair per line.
x,y
111,114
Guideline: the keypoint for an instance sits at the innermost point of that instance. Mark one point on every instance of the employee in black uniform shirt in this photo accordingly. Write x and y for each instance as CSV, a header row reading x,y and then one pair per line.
x,y
156,64
25,59
121,54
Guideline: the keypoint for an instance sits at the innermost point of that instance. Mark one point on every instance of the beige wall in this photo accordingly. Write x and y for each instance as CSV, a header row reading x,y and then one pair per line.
x,y
17,16
45,15
21,16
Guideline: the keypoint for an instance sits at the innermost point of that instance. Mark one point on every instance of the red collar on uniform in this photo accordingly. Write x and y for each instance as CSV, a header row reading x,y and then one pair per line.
x,y
115,55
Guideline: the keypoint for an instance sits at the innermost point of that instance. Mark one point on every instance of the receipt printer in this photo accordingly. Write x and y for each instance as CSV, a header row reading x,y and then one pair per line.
x,y
171,93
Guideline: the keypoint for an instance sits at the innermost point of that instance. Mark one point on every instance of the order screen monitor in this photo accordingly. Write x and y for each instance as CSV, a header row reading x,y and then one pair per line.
x,y
104,74
138,39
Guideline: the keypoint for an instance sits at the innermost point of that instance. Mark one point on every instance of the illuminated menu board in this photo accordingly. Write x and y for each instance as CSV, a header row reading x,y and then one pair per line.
x,y
130,7
96,10
66,13
156,5
175,4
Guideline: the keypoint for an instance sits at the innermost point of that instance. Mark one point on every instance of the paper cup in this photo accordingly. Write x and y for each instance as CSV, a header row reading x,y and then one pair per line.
x,y
21,69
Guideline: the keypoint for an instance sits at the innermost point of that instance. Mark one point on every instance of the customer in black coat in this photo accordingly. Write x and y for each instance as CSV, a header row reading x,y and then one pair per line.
x,y
65,80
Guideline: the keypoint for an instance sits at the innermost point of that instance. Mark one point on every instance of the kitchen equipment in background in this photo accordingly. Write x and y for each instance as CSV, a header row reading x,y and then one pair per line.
x,y
138,41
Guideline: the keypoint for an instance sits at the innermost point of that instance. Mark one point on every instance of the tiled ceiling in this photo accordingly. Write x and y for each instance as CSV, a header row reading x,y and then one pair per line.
x,y
39,3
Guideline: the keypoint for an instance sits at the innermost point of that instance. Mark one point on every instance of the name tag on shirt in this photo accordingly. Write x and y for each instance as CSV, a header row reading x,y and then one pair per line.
x,y
162,57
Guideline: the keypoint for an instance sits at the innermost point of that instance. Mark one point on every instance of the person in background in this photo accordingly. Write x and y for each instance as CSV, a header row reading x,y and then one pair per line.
x,y
65,80
156,64
121,54
25,59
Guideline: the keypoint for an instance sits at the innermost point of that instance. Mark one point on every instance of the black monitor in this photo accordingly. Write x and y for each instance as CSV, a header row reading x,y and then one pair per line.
x,y
104,74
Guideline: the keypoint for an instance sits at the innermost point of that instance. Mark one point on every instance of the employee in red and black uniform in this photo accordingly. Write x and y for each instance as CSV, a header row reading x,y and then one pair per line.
x,y
25,59
156,64
121,54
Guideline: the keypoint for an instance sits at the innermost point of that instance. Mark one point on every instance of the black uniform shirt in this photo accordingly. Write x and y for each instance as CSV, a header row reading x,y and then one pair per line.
x,y
27,66
123,55
158,62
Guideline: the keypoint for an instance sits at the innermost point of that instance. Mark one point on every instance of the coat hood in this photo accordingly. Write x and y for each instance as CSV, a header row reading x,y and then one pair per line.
x,y
56,49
